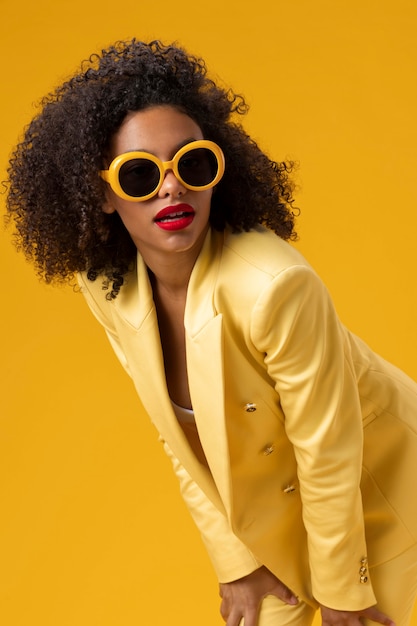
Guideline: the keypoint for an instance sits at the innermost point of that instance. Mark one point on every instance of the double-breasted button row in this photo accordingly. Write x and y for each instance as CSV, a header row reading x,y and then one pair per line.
x,y
363,570
269,448
250,407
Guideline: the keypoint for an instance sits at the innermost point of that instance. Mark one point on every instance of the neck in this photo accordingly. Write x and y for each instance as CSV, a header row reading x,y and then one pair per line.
x,y
172,278
171,271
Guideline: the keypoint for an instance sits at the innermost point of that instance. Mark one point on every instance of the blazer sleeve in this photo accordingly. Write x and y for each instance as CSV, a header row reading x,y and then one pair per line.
x,y
230,558
307,356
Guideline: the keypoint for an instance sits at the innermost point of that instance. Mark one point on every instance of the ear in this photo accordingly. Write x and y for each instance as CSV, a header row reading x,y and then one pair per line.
x,y
107,207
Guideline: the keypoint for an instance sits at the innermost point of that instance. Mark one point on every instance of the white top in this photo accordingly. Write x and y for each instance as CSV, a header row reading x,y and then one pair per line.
x,y
186,420
183,415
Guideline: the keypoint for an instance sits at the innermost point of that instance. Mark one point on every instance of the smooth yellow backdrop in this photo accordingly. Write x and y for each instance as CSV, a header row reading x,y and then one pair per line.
x,y
92,529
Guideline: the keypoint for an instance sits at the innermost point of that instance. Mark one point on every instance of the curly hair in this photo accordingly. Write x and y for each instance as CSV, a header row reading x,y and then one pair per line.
x,y
56,195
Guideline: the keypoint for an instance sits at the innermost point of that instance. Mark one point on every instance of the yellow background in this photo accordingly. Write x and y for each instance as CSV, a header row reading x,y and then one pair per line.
x,y
92,529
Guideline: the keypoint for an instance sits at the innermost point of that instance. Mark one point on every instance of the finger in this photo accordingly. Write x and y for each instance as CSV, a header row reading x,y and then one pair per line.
x,y
283,593
377,616
224,609
234,619
250,618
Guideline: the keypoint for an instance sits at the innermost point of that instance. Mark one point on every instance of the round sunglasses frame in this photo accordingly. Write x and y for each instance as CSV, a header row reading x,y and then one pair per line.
x,y
111,175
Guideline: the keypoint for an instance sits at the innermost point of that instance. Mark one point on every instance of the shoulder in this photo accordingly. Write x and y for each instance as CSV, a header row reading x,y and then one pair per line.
x,y
94,292
262,250
100,288
259,271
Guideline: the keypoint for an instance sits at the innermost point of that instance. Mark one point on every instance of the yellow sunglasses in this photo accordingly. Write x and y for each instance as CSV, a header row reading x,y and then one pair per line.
x,y
137,176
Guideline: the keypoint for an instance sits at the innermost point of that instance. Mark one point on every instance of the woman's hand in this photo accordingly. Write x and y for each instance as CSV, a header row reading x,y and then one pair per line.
x,y
331,617
243,597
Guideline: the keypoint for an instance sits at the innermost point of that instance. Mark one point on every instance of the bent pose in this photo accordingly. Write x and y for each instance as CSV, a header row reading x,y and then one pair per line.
x,y
295,445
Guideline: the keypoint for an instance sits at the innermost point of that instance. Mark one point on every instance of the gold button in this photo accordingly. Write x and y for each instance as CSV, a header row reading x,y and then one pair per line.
x,y
290,489
250,407
363,570
268,449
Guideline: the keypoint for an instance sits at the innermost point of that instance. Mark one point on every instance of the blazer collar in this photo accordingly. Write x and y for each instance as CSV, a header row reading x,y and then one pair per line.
x,y
200,308
135,301
204,345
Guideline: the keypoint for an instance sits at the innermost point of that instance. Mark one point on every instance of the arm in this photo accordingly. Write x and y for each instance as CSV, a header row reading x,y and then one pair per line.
x,y
230,558
249,582
295,325
307,355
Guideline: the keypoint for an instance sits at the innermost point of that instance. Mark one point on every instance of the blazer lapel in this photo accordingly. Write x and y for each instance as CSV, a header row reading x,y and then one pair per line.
x,y
204,340
136,308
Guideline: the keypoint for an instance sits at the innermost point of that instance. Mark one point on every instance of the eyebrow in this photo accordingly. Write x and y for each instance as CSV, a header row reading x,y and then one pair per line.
x,y
178,147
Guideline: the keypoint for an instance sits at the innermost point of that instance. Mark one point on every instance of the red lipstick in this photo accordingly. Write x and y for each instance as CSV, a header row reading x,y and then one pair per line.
x,y
175,217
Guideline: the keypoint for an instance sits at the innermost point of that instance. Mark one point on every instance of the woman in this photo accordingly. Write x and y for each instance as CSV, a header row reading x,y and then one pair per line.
x,y
294,444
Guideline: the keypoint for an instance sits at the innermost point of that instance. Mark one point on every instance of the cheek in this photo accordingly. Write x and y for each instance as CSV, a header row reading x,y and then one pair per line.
x,y
132,214
208,195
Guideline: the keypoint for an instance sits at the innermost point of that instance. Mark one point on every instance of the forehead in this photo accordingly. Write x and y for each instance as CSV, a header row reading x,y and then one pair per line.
x,y
159,130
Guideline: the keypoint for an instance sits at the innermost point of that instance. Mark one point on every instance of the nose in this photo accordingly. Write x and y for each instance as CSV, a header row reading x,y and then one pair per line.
x,y
171,186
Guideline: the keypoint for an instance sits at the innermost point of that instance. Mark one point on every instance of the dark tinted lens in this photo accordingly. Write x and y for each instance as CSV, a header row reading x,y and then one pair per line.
x,y
139,177
198,167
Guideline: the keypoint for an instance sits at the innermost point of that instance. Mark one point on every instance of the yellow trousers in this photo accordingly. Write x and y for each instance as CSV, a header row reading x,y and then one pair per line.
x,y
394,583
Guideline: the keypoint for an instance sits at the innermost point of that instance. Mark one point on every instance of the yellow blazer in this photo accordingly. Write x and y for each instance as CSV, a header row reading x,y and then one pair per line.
x,y
299,419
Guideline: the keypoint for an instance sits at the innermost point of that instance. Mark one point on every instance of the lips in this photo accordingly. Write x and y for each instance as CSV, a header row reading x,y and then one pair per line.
x,y
175,217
